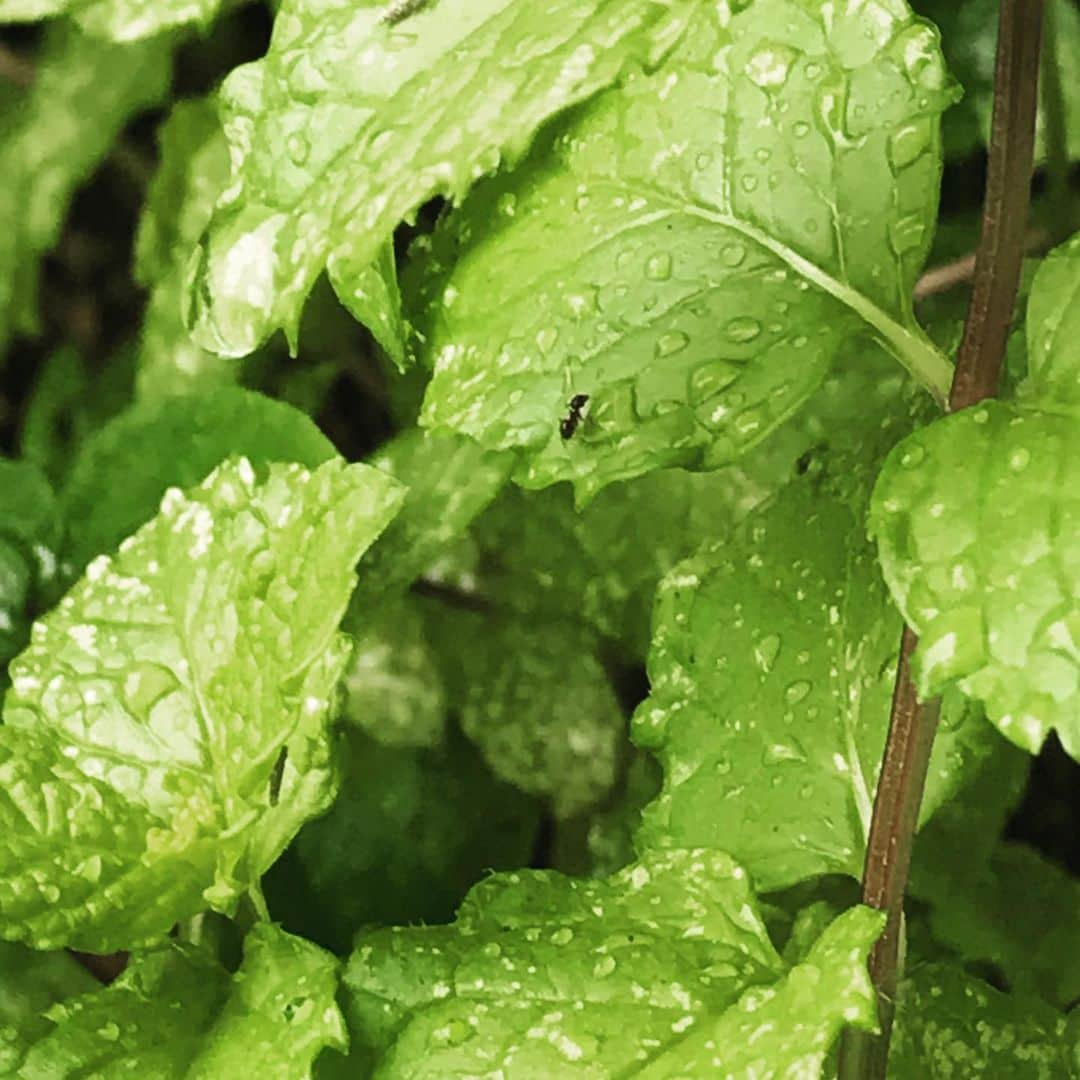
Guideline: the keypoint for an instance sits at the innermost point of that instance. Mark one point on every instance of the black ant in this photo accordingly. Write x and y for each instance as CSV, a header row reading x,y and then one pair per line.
x,y
401,10
569,423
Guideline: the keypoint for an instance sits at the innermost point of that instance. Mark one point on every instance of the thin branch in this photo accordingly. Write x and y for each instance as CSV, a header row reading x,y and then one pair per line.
x,y
951,275
1008,189
912,725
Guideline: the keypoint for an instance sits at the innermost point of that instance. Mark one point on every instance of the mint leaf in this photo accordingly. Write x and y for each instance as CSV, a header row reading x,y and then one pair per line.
x,y
949,1024
450,480
409,833
84,92
370,291
968,37
31,982
116,20
393,687
275,1014
975,523
155,704
776,200
122,471
353,121
771,683
194,171
663,970
1021,915
536,700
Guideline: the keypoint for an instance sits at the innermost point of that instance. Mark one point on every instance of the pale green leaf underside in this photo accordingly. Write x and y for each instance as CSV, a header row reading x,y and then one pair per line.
x,y
663,970
352,121
152,706
84,92
536,700
115,20
177,1015
771,684
692,251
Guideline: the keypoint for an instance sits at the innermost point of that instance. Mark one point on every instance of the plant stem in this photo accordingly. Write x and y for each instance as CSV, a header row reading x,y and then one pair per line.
x,y
912,725
1056,133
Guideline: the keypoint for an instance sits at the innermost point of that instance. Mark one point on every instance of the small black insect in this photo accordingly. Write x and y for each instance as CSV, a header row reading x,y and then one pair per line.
x,y
569,423
401,10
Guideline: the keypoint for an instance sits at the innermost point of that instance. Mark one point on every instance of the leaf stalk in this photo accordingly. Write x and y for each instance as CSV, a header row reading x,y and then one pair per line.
x,y
913,724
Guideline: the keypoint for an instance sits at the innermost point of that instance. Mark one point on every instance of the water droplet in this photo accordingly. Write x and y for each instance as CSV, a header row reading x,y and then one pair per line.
x,y
732,255
907,234
581,203
800,129
775,753
749,184
703,161
546,338
766,651
563,936
110,1031
1019,459
743,328
507,205
298,148
711,378
796,692
672,342
912,457
908,143
658,266
770,67
604,966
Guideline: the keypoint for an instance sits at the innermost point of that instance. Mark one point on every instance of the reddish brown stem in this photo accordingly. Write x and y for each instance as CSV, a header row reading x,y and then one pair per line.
x,y
912,725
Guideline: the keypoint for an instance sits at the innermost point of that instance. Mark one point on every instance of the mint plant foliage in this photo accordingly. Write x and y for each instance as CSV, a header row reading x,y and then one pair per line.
x,y
680,966
153,705
488,673
715,281
329,155
121,472
976,520
770,694
275,1015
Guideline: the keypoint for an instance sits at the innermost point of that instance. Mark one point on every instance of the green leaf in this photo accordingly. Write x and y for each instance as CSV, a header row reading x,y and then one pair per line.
x,y
194,171
536,700
968,38
124,469
31,982
664,970
30,535
116,20
370,291
68,402
84,92
976,521
950,1025
1021,915
409,833
165,735
175,1014
450,480
353,120
775,201
772,668
393,687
